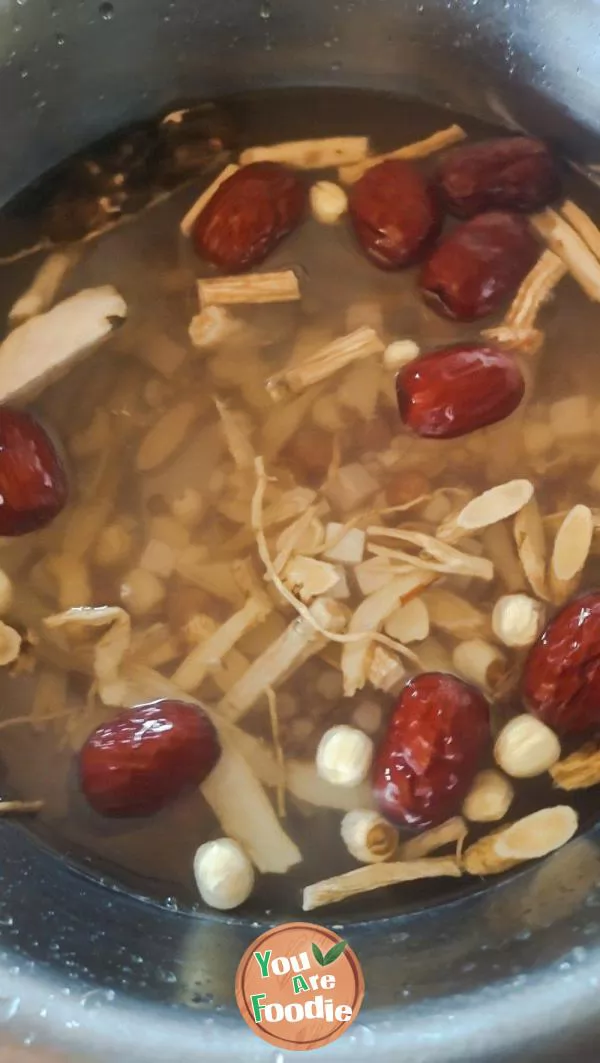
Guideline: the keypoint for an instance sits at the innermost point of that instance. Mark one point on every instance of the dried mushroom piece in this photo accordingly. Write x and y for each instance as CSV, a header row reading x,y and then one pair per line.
x,y
45,347
579,771
374,877
529,838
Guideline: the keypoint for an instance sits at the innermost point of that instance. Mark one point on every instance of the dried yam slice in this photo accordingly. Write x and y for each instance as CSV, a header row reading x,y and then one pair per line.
x,y
496,504
571,550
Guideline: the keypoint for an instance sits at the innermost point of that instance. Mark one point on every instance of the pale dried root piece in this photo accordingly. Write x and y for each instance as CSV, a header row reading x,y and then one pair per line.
x,y
579,771
328,202
480,662
526,747
529,838
166,435
455,615
444,138
40,294
499,546
211,327
11,808
210,653
299,641
492,506
6,592
489,798
563,239
409,623
453,831
368,837
279,287
303,783
524,340
107,653
114,545
434,556
531,547
237,430
376,876
518,620
10,644
187,222
399,353
583,225
307,577
44,348
141,591
362,343
344,756
535,290
318,154
571,551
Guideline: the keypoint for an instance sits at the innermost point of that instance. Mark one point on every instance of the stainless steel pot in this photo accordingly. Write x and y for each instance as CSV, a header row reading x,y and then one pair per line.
x,y
509,973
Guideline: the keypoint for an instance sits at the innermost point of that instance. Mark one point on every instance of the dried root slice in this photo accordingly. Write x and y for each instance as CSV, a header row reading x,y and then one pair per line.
x,y
528,839
40,294
108,652
211,327
305,784
299,641
24,808
445,138
526,747
563,239
187,222
452,831
369,617
434,556
318,154
10,644
579,771
307,577
583,225
535,290
409,623
481,663
368,837
279,287
325,362
523,340
374,877
489,798
166,435
499,546
455,615
44,348
531,547
488,508
386,670
571,551
237,432
210,653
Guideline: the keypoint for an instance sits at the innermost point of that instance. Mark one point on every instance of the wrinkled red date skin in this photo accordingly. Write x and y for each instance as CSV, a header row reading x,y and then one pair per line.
x,y
506,173
142,760
394,213
561,680
248,216
478,266
456,390
434,743
33,483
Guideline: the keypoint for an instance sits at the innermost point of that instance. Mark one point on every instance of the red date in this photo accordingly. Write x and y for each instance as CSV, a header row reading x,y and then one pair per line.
x,y
507,173
455,390
478,266
248,215
561,680
428,758
394,214
33,484
137,763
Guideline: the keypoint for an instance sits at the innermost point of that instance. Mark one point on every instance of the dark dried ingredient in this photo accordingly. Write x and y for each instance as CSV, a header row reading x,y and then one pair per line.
x,y
456,390
249,215
146,757
480,264
561,680
394,213
506,173
431,751
33,483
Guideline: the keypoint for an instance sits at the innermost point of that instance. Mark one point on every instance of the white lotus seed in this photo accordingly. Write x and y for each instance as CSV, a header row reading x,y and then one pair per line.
x,y
344,756
526,747
517,619
224,875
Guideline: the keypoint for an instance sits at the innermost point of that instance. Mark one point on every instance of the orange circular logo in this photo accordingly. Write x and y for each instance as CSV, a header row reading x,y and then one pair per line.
x,y
299,986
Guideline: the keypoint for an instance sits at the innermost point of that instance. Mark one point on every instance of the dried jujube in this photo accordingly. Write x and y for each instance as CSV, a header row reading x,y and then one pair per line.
x,y
561,679
431,751
455,390
145,757
394,213
479,265
248,215
506,173
33,482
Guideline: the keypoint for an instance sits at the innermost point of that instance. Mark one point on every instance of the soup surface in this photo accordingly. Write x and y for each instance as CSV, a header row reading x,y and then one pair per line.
x,y
216,469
